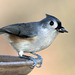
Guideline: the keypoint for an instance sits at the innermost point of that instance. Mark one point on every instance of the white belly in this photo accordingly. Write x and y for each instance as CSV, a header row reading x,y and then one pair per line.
x,y
34,45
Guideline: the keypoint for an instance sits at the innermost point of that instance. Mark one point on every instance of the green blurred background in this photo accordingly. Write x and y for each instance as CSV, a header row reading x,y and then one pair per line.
x,y
59,58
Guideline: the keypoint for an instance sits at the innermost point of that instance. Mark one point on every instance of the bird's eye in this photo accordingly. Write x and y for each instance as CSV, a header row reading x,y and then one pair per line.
x,y
51,23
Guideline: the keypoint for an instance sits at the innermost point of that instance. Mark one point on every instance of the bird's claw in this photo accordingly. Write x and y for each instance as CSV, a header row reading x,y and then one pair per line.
x,y
38,57
35,62
40,64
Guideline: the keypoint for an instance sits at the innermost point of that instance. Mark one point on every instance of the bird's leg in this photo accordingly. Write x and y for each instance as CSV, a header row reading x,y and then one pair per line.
x,y
39,57
20,53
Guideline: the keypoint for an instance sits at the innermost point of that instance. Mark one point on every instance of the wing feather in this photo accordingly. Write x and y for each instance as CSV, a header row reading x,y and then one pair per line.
x,y
21,29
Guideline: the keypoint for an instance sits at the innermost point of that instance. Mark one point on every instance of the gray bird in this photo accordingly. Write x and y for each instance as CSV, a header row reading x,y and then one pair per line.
x,y
33,36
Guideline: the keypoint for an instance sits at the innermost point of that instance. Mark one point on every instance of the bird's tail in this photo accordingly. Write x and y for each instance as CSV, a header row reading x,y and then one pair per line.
x,y
1,31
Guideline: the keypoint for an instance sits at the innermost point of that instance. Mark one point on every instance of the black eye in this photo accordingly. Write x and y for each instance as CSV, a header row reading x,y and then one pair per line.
x,y
51,23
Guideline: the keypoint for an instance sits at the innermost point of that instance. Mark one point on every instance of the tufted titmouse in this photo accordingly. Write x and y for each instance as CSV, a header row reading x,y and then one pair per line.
x,y
33,36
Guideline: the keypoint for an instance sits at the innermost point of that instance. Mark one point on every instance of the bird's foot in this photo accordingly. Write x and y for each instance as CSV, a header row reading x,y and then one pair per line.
x,y
38,57
30,58
35,62
34,59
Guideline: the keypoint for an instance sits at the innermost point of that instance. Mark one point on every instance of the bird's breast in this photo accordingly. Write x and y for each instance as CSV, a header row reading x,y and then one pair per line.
x,y
34,44
47,39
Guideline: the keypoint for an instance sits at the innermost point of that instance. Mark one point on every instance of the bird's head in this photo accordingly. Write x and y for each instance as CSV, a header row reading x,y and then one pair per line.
x,y
53,23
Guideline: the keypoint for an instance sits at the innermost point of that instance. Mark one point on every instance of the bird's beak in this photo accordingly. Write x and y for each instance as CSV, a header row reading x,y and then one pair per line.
x,y
62,30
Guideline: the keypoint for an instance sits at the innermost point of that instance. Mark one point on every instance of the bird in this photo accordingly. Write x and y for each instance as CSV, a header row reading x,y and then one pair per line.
x,y
32,37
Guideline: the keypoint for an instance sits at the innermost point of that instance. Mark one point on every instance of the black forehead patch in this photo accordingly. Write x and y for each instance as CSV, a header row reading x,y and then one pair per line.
x,y
59,25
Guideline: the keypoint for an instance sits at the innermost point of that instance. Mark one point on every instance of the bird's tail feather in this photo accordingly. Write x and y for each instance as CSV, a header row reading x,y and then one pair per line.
x,y
1,31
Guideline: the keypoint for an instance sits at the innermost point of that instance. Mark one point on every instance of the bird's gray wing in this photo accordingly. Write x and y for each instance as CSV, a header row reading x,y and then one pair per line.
x,y
21,29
